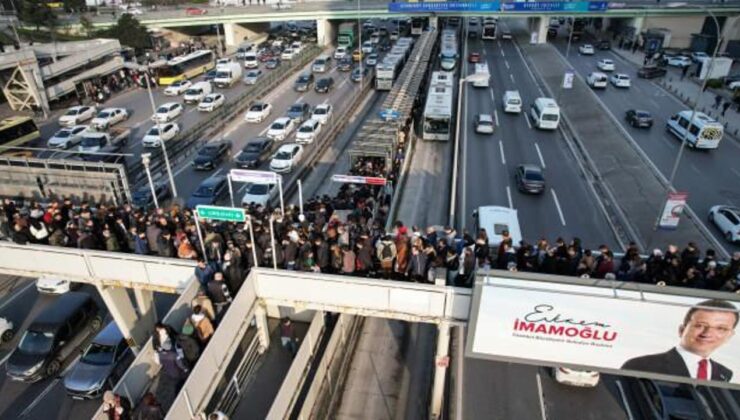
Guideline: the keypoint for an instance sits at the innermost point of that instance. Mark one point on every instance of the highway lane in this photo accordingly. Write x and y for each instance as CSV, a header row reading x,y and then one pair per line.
x,y
710,177
568,208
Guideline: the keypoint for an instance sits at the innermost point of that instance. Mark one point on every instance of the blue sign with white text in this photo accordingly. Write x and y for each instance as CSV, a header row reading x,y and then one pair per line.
x,y
557,6
445,6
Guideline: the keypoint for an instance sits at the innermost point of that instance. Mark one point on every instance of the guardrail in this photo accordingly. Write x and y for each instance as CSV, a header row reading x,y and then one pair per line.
x,y
232,393
138,377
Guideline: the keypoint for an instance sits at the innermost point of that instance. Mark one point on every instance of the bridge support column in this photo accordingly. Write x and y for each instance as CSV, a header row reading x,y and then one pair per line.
x,y
540,27
325,32
441,364
637,23
433,22
263,331
122,310
235,34
147,310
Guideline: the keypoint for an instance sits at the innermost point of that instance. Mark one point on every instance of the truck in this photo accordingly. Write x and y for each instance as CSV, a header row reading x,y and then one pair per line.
x,y
347,34
227,74
101,142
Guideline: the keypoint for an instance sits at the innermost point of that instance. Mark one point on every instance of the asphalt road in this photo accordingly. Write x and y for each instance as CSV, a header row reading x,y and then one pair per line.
x,y
711,177
20,303
567,208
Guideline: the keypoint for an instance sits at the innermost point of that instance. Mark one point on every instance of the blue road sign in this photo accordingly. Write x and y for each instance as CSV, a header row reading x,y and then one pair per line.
x,y
556,6
445,6
389,114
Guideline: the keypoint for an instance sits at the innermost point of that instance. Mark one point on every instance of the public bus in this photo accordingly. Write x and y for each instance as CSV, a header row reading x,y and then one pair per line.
x,y
185,67
489,31
438,113
702,132
17,132
417,25
386,72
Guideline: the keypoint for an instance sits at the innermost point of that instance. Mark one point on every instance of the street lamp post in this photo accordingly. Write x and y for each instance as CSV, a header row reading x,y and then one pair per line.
x,y
161,140
359,40
145,159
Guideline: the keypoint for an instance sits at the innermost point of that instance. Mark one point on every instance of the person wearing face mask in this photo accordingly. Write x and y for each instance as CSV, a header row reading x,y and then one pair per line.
x,y
164,337
203,326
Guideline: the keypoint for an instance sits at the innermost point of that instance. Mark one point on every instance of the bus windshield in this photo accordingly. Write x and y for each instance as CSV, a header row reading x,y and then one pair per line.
x,y
17,132
437,125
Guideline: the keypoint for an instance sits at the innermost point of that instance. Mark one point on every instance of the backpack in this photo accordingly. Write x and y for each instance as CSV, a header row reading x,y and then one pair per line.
x,y
386,252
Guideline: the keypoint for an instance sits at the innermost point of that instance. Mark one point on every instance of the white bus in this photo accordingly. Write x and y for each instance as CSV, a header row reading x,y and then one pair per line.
x,y
442,78
417,25
702,132
438,113
385,74
489,31
545,114
495,220
485,75
448,55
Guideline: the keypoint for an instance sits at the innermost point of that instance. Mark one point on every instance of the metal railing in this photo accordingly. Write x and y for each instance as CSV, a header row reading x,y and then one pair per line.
x,y
232,393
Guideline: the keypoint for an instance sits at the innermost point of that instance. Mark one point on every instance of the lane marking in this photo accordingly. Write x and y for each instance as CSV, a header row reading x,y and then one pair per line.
x,y
526,118
529,70
493,97
557,204
539,153
695,169
507,64
735,171
495,116
15,295
541,396
624,400
503,54
512,77
508,194
501,147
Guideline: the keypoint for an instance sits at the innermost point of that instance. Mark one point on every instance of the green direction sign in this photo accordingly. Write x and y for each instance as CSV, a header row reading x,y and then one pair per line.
x,y
227,214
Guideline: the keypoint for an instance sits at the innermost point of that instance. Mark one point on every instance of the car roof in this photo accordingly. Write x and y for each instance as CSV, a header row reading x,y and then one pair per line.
x,y
530,167
282,120
109,336
485,117
287,147
258,140
169,104
61,309
211,181
323,106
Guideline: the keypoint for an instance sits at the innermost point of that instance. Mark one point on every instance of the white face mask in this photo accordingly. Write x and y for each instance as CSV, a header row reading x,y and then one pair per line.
x,y
197,318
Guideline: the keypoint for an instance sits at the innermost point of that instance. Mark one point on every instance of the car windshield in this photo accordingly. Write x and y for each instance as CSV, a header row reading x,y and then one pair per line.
x,y
643,114
90,141
533,176
208,151
303,79
277,126
179,84
257,189
253,147
154,131
306,129
296,108
63,134
256,108
35,342
252,74
283,156
98,354
103,114
320,111
204,191
208,99
72,112
163,110
193,92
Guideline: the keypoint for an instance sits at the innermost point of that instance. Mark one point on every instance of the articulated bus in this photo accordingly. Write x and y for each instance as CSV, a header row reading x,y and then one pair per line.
x,y
438,113
17,132
185,67
417,26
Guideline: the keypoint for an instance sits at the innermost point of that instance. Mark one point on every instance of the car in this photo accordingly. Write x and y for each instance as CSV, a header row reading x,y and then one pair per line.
x,y
679,61
474,57
375,38
211,154
321,64
729,80
358,74
132,11
254,153
698,56
252,77
620,80
372,60
324,85
340,53
101,364
259,194
286,157
605,64
6,330
656,400
597,79
142,197
53,286
344,64
208,192
506,35
167,112
484,124
210,75
281,128
109,117
367,48
178,88
211,102
322,113
734,85
308,131
272,63
638,118
287,54
357,55
296,46
573,377
552,32
650,72
586,49
727,220
77,114
153,138
394,35
68,137
304,82
298,112
257,112
604,45
530,178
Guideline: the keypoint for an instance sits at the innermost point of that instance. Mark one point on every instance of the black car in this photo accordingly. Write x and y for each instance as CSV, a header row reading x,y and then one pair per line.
x,y
604,45
357,76
142,198
304,82
324,85
299,112
345,64
529,178
209,192
210,75
210,155
254,153
650,72
552,32
638,118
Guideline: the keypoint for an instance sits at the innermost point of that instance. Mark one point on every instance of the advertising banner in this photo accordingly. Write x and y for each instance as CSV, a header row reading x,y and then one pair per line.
x,y
674,206
556,6
672,337
568,79
447,6
353,179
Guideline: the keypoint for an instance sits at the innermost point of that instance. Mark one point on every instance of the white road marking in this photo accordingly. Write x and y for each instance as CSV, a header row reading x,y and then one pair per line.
x,y
236,155
493,96
624,400
695,169
507,64
557,204
541,396
40,397
508,194
526,118
542,160
503,54
495,116
484,52
735,171
15,295
501,147
519,51
512,77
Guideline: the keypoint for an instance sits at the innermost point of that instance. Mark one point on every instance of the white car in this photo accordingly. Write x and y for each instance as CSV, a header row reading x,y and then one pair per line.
x,y
76,115
258,112
698,56
211,102
68,137
582,378
586,49
340,53
734,85
53,286
322,113
178,88
167,112
620,80
597,79
371,60
252,77
484,124
286,157
605,64
287,54
153,136
132,11
296,47
727,220
367,47
281,128
108,118
259,194
308,131
680,61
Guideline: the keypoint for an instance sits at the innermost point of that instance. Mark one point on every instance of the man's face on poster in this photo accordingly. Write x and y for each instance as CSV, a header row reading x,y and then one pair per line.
x,y
706,331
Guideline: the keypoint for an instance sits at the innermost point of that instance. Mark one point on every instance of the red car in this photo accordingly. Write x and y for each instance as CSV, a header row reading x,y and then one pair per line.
x,y
474,57
195,11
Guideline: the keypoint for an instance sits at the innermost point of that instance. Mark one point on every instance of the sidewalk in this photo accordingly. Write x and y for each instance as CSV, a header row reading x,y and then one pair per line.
x,y
685,91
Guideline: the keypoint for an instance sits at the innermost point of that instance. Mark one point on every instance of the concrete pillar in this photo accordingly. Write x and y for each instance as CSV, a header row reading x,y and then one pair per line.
x,y
235,33
542,24
325,32
637,23
263,331
122,310
441,364
730,31
433,22
147,310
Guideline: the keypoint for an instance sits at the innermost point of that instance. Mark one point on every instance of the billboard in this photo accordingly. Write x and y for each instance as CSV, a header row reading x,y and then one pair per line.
x,y
670,337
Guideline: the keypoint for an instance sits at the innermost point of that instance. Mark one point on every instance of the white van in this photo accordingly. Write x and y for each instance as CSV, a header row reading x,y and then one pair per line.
x,y
705,132
197,92
597,80
481,69
227,74
495,220
512,101
251,61
545,114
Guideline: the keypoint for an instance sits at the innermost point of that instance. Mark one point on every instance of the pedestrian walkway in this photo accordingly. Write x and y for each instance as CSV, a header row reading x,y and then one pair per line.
x,y
685,90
